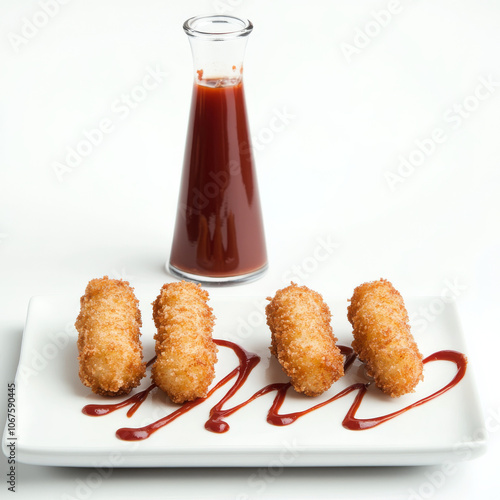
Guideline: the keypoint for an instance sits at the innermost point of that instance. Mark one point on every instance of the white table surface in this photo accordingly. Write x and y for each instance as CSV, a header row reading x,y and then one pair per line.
x,y
351,105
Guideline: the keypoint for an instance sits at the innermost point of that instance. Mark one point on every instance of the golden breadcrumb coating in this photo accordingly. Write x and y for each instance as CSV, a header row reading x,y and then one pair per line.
x,y
110,351
302,339
186,354
382,337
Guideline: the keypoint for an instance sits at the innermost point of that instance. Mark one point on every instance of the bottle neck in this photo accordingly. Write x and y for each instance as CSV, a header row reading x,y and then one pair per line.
x,y
218,46
220,63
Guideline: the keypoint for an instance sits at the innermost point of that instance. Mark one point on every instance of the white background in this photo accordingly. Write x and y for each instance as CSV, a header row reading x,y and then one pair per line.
x,y
355,103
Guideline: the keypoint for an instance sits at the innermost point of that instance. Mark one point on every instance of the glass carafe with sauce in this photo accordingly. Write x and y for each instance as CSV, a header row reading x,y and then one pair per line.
x,y
219,235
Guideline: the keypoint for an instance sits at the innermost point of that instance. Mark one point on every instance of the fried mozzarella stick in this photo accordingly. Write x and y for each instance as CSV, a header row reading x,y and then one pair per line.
x,y
186,354
110,351
382,337
302,339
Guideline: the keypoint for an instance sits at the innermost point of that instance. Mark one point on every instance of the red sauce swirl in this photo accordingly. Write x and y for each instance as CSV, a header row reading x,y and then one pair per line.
x,y
247,362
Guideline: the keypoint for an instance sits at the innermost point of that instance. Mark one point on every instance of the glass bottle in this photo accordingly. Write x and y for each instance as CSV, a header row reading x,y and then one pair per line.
x,y
219,235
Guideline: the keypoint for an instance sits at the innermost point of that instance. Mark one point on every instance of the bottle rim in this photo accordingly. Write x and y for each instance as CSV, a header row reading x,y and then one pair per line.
x,y
217,27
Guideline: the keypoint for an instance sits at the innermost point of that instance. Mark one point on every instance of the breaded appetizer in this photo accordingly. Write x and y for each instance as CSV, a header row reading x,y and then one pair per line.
x,y
110,351
302,339
382,337
186,354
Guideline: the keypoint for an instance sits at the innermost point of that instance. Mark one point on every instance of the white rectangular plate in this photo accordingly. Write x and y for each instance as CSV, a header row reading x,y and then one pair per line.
x,y
50,428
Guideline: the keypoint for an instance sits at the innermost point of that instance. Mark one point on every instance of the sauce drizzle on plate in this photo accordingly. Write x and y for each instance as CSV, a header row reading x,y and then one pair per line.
x,y
247,362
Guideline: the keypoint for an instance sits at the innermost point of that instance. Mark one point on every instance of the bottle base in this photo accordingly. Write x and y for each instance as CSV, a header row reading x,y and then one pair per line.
x,y
217,280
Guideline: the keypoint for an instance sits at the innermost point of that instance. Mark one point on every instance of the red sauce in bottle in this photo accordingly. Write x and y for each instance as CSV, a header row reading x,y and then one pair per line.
x,y
219,230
